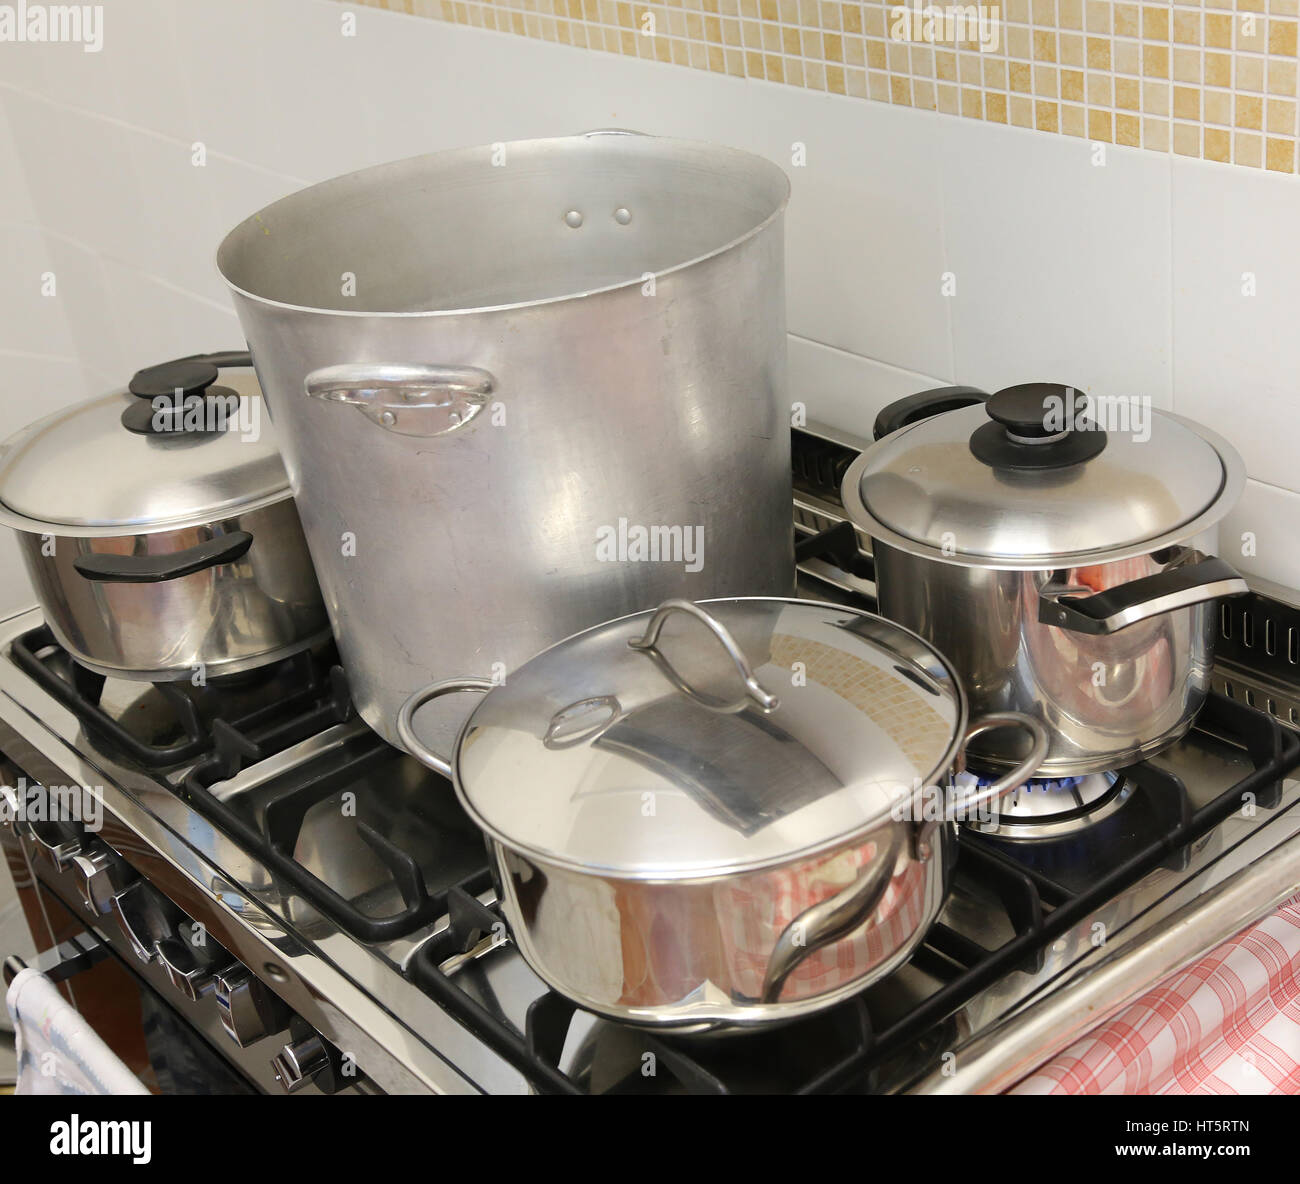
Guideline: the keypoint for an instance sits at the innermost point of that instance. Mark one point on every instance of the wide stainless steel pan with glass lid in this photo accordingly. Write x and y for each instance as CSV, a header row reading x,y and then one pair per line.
x,y
723,813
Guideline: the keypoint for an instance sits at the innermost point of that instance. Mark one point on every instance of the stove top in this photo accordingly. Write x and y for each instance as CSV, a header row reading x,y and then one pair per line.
x,y
345,876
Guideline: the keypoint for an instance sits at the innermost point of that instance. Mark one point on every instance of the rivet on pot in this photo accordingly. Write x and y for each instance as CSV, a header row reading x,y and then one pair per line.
x,y
573,218
622,215
387,418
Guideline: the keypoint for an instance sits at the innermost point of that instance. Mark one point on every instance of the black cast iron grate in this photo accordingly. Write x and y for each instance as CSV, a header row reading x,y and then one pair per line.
x,y
273,842
291,684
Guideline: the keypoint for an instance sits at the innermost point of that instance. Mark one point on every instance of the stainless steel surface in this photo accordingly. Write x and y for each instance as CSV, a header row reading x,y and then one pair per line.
x,y
1106,700
921,490
221,620
688,800
639,384
80,473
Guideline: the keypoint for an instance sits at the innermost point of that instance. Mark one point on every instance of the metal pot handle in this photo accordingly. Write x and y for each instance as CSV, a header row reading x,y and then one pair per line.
x,y
411,399
1137,600
1018,776
754,691
829,920
406,731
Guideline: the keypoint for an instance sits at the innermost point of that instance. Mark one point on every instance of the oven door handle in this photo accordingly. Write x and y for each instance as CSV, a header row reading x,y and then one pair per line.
x,y
61,962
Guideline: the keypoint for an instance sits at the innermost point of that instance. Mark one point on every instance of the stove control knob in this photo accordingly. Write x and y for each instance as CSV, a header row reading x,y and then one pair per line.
x,y
103,874
143,917
188,975
249,1010
57,843
295,1064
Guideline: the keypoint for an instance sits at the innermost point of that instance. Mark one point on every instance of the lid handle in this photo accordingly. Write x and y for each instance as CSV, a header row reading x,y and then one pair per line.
x,y
1037,425
646,644
172,392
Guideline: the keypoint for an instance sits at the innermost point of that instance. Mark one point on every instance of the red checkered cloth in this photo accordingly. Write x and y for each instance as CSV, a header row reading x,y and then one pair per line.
x,y
1230,1024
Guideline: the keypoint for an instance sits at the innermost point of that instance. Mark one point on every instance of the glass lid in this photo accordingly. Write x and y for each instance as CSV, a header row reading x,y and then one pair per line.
x,y
144,459
1042,474
656,760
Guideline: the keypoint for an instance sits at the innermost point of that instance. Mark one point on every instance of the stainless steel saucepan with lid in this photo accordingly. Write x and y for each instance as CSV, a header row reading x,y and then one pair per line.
x,y
158,528
1061,552
721,813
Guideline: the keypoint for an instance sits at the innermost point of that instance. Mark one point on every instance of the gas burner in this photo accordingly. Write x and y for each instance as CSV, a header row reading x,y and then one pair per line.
x,y
1047,807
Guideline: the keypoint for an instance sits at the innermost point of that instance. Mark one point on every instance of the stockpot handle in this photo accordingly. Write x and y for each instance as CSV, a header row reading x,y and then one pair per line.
x,y
1010,781
406,715
829,920
646,644
105,568
923,405
1137,600
411,399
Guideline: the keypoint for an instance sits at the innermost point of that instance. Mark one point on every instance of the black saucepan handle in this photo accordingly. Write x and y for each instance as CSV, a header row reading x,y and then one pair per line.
x,y
154,569
901,412
230,359
1117,608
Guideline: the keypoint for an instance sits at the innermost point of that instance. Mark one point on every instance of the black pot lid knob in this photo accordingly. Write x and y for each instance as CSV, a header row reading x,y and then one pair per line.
x,y
1037,425
1033,410
187,377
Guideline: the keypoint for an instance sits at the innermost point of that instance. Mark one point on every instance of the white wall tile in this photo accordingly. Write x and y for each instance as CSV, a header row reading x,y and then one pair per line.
x,y
1062,266
34,320
89,306
1261,537
15,200
844,390
1237,356
156,321
78,174
32,388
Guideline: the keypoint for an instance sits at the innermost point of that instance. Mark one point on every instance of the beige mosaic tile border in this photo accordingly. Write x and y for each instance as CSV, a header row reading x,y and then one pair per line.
x,y
1212,78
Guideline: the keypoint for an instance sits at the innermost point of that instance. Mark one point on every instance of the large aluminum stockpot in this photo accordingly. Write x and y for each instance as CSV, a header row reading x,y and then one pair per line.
x,y
1060,552
160,551
721,814
522,389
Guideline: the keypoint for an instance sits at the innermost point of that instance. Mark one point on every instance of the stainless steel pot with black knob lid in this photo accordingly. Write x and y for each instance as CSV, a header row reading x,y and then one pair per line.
x,y
1061,550
158,529
721,814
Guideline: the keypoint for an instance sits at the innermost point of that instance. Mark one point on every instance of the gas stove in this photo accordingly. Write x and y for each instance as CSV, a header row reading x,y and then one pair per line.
x,y
316,910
